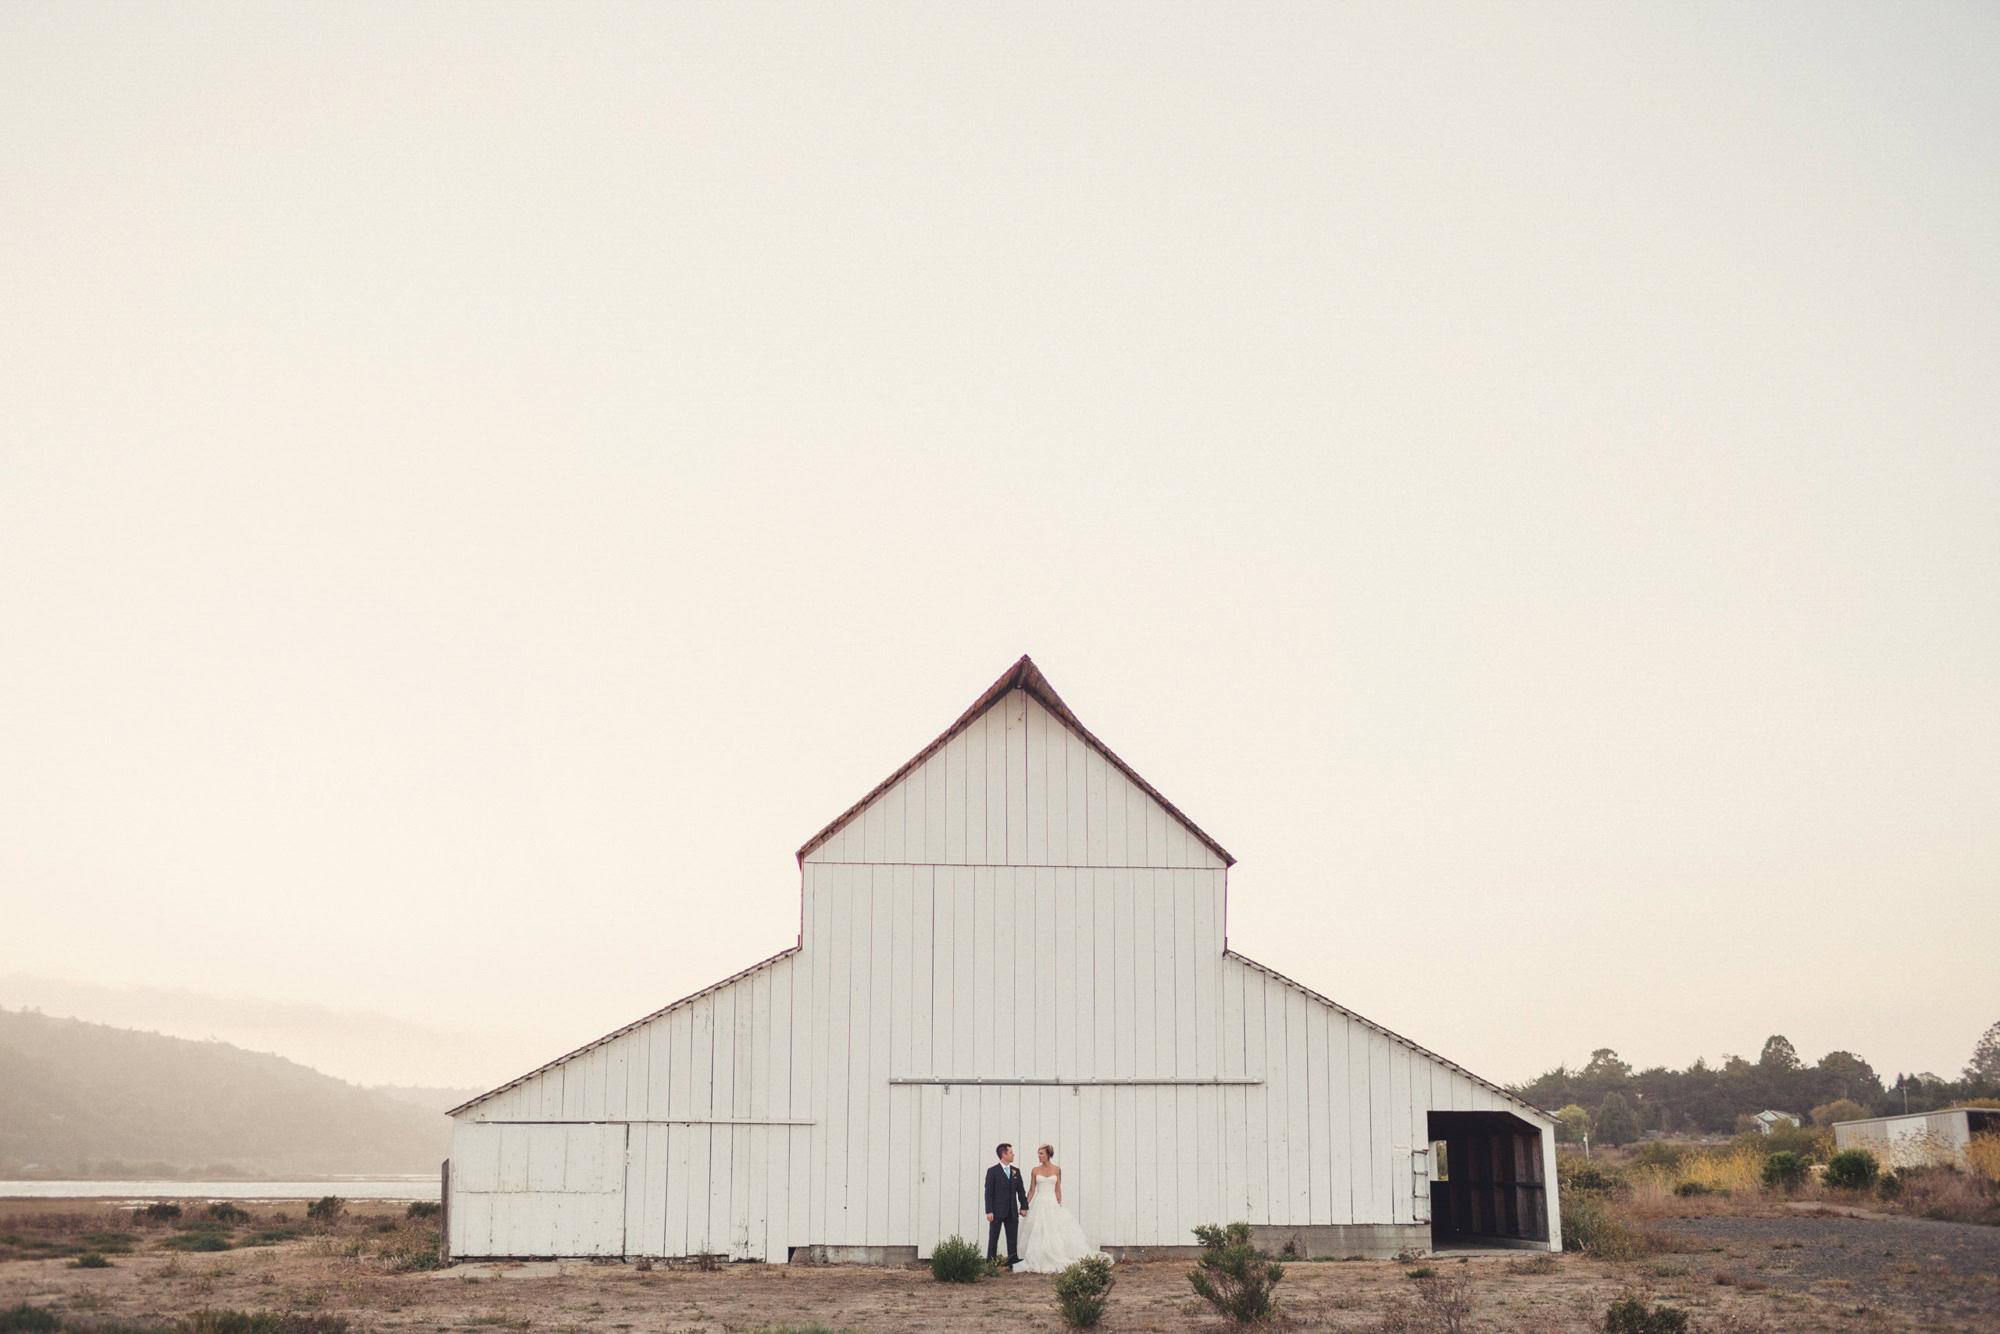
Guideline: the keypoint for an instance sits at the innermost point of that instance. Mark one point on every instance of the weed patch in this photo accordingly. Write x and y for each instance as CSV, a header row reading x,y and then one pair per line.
x,y
411,1248
26,1319
195,1241
1631,1315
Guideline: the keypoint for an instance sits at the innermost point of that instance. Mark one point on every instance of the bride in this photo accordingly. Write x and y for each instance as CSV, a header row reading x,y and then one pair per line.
x,y
1055,1238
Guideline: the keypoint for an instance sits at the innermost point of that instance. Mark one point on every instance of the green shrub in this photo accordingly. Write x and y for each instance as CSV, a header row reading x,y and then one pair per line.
x,y
1689,1189
1421,1271
1851,1169
1081,1291
157,1212
110,1243
222,1211
195,1241
957,1260
90,1260
326,1210
423,1209
1231,1276
26,1319
1632,1316
1785,1170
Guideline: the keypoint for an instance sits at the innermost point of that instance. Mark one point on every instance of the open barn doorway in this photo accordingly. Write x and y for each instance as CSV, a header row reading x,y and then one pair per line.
x,y
1489,1187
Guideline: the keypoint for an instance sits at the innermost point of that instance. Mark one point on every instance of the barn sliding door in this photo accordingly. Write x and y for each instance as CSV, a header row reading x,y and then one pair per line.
x,y
543,1189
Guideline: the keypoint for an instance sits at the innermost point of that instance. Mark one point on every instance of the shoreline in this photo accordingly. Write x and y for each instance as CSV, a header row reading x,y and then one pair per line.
x,y
385,1187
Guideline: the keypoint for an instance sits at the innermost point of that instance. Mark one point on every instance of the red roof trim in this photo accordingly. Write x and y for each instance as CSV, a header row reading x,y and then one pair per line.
x,y
1023,675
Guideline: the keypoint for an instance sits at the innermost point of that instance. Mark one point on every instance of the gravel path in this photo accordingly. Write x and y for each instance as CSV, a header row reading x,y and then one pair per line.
x,y
1911,1265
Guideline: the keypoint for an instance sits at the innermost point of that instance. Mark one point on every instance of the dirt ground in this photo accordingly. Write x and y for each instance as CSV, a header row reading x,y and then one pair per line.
x,y
1786,1275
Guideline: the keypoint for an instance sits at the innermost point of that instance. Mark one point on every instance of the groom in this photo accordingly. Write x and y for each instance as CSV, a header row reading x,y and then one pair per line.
x,y
1006,1201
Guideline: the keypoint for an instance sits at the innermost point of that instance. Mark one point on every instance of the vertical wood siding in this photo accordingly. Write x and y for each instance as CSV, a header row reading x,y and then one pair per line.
x,y
1017,788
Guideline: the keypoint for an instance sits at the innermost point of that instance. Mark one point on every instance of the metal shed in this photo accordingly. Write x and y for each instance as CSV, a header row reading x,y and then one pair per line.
x,y
1918,1139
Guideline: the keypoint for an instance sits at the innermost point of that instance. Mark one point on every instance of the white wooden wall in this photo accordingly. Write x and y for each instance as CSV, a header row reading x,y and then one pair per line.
x,y
538,1189
1017,788
1015,942
712,1093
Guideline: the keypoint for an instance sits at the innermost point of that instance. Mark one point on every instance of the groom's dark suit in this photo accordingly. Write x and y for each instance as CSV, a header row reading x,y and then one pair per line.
x,y
1006,1200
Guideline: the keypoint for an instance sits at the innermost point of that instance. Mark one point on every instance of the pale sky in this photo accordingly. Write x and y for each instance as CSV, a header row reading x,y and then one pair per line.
x,y
480,485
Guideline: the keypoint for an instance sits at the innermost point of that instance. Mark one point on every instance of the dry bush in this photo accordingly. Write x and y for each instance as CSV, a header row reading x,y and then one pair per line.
x,y
1442,1305
1607,1229
411,1247
1706,1178
1982,1155
1943,1193
1739,1168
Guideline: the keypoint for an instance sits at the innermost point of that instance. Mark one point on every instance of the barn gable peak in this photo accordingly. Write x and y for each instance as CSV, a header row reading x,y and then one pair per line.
x,y
1026,677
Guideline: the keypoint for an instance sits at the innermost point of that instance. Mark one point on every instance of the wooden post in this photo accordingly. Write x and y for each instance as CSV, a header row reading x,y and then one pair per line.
x,y
444,1212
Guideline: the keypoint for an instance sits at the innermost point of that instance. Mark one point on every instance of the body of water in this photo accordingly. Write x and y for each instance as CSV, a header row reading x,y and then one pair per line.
x,y
348,1188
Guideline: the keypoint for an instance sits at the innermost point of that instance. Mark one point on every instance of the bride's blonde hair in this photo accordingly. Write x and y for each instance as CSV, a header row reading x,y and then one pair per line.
x,y
1050,1150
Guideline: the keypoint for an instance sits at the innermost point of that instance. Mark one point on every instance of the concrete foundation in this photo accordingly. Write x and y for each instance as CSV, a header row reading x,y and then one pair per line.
x,y
888,1257
1343,1241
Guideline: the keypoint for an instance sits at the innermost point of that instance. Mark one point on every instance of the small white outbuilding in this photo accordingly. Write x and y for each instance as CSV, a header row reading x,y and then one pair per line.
x,y
1013,937
1918,1139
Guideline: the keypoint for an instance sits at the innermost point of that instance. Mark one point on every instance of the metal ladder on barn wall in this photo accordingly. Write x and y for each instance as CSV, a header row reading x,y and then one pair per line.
x,y
1420,1185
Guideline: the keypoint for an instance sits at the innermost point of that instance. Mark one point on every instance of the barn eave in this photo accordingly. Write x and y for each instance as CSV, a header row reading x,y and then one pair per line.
x,y
1393,1036
616,1033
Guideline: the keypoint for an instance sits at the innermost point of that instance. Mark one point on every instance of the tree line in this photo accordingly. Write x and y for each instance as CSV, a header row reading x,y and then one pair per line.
x,y
1623,1103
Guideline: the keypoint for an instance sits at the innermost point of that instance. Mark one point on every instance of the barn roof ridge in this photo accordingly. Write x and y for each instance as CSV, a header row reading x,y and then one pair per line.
x,y
1023,675
640,1022
1388,1033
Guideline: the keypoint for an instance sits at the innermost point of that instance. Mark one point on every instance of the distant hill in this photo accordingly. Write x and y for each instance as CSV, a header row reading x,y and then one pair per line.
x,y
436,1098
93,1100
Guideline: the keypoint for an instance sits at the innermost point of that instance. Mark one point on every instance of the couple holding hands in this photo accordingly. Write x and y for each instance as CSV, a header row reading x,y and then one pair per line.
x,y
1056,1240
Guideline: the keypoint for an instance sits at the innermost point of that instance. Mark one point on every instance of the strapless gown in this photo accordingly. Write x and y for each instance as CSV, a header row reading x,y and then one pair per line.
x,y
1055,1238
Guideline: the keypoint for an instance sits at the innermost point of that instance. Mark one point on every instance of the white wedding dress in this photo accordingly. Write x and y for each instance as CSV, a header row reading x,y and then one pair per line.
x,y
1055,1238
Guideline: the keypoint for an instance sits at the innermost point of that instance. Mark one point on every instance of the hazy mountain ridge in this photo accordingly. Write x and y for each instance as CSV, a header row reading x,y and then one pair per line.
x,y
436,1098
78,1097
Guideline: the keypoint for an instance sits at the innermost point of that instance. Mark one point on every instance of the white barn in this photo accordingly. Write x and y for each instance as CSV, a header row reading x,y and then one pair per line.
x,y
1013,937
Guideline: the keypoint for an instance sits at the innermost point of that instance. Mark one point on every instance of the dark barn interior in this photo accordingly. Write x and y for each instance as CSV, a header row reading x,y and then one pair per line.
x,y
1490,1189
